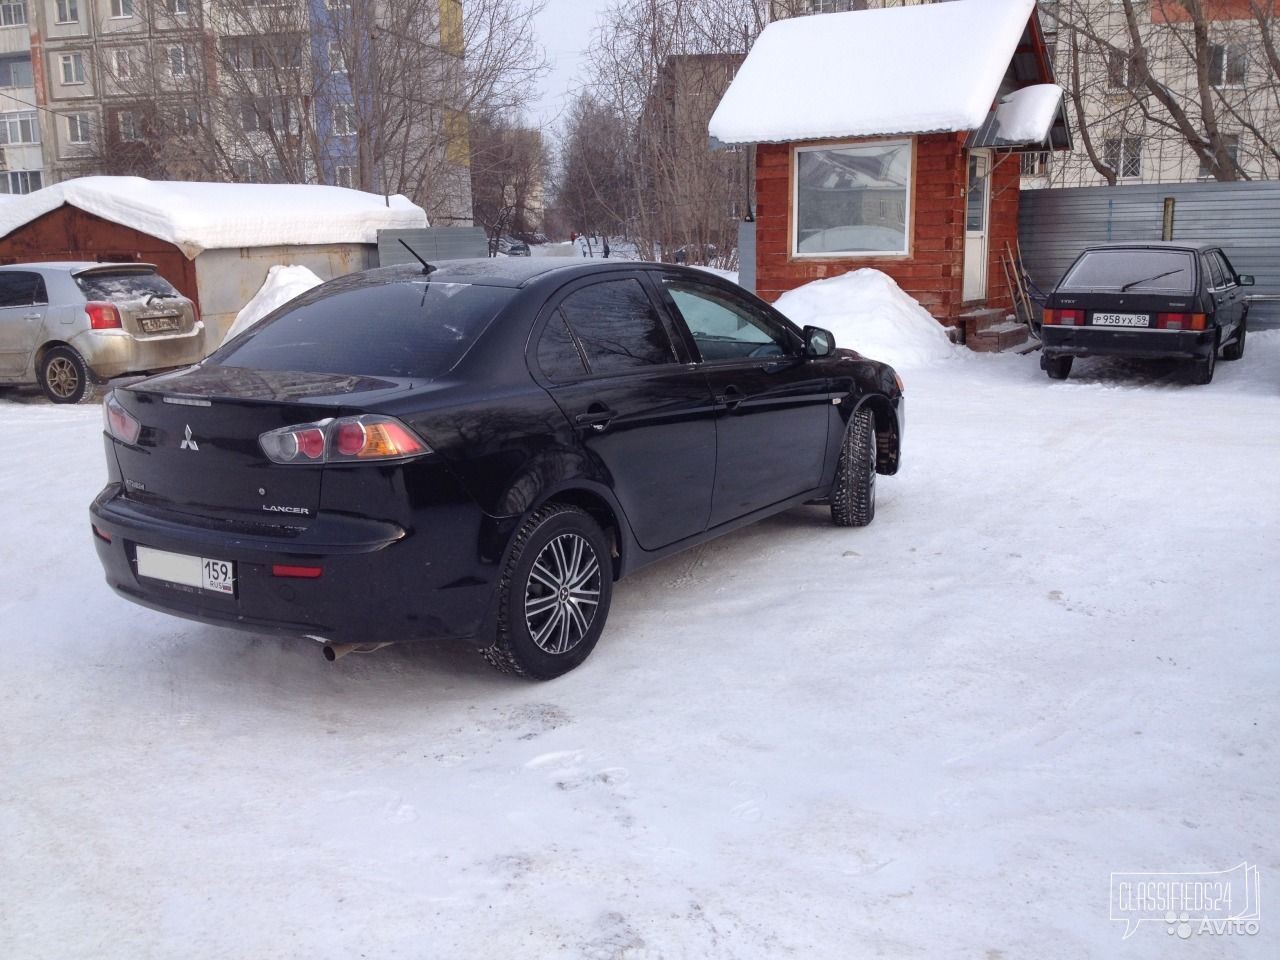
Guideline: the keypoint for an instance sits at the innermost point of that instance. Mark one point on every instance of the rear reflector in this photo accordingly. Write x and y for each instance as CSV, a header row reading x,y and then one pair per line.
x,y
101,534
103,316
1064,318
296,573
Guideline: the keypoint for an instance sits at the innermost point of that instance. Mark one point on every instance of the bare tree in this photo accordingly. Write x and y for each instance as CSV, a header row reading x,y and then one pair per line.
x,y
508,176
636,157
1169,79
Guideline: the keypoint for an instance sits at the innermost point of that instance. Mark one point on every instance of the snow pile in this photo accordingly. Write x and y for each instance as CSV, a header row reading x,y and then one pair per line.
x,y
1026,115
914,69
868,312
211,216
281,286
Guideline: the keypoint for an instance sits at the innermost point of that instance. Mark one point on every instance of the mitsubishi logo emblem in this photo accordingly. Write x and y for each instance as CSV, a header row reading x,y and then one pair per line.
x,y
188,443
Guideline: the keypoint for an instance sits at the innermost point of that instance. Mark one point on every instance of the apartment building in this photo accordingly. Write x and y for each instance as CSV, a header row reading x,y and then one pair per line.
x,y
250,90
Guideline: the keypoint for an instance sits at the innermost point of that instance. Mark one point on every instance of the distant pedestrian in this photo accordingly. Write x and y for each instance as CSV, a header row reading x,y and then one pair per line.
x,y
606,248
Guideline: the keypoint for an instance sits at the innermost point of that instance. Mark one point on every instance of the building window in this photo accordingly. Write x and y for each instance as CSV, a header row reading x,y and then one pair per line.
x,y
72,68
121,8
1124,156
122,64
20,126
337,62
835,6
185,120
13,13
176,8
1232,142
838,196
68,11
1037,164
21,181
177,58
344,119
130,128
15,71
78,128
343,176
1228,63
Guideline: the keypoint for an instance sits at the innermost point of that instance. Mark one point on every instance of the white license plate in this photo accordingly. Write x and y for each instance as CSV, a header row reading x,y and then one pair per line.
x,y
202,573
1121,319
159,324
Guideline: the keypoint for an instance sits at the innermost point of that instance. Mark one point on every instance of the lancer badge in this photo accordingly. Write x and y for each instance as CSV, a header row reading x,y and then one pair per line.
x,y
188,443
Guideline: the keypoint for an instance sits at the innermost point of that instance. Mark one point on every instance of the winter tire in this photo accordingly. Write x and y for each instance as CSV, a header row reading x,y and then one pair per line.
x,y
553,599
64,376
1058,368
1235,349
853,496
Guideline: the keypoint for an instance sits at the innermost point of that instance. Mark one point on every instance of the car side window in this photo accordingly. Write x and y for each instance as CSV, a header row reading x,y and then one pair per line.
x,y
18,288
558,354
617,326
1213,271
725,327
1228,275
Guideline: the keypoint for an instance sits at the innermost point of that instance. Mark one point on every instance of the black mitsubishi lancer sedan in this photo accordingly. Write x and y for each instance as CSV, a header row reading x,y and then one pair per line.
x,y
1147,300
477,451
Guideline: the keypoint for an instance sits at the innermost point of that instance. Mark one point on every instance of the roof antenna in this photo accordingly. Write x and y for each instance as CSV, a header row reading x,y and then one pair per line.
x,y
427,269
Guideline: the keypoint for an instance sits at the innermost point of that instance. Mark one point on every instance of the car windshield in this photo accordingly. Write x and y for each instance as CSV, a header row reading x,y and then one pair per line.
x,y
124,285
416,329
1145,271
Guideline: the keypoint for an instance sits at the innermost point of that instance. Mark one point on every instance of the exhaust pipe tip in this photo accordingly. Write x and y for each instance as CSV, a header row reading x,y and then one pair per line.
x,y
336,651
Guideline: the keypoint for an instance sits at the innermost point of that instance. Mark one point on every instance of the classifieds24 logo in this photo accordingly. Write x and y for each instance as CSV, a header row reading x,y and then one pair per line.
x,y
1186,905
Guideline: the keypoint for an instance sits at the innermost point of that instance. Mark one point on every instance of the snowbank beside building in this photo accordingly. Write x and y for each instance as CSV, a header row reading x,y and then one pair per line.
x,y
281,286
868,312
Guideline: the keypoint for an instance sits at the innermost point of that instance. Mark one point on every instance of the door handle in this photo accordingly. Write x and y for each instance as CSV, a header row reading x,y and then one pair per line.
x,y
731,397
597,417
33,316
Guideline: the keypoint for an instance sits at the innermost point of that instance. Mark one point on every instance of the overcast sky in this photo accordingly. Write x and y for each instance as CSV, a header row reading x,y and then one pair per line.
x,y
564,28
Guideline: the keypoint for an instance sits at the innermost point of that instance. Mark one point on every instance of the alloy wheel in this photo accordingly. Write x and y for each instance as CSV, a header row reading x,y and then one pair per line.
x,y
562,594
62,377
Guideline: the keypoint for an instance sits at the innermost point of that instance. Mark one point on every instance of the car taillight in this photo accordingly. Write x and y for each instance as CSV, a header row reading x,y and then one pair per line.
x,y
1180,321
103,316
1065,318
344,440
119,422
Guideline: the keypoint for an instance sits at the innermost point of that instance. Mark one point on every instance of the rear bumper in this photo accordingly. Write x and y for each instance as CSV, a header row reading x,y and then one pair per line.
x,y
113,353
377,584
1058,341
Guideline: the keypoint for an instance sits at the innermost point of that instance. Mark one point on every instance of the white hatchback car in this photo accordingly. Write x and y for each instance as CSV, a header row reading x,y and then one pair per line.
x,y
66,326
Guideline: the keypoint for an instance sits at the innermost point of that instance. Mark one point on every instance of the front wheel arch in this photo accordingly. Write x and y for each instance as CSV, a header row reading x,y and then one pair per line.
x,y
888,442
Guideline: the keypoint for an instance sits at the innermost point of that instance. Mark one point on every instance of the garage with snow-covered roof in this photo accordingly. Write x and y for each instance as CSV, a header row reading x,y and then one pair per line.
x,y
215,242
891,138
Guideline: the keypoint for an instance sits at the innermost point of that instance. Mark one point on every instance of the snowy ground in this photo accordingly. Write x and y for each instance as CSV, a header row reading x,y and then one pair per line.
x,y
1052,656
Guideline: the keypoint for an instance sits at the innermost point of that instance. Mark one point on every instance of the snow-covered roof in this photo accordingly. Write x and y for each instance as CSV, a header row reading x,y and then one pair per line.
x,y
924,68
1027,115
210,216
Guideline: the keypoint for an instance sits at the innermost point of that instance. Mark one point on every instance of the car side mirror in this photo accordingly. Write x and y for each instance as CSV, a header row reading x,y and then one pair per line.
x,y
1246,280
818,342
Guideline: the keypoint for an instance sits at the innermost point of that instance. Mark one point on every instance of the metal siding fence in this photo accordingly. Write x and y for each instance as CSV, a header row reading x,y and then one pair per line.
x,y
1243,218
432,243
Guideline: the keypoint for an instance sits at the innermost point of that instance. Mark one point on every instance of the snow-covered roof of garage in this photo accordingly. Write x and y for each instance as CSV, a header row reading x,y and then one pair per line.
x,y
925,68
210,216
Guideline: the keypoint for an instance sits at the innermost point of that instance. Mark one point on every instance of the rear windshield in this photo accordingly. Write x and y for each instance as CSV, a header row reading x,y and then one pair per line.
x,y
124,285
414,329
1147,271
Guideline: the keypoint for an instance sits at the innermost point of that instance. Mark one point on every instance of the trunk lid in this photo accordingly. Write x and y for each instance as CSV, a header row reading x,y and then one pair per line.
x,y
149,305
1121,310
198,451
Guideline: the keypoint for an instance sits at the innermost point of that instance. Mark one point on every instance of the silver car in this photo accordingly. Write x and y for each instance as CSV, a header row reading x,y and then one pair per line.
x,y
66,326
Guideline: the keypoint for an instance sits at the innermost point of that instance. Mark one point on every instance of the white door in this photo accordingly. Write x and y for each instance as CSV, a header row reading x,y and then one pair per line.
x,y
977,209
